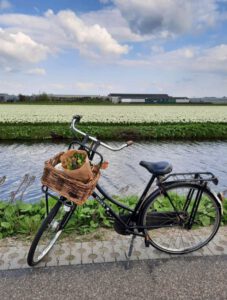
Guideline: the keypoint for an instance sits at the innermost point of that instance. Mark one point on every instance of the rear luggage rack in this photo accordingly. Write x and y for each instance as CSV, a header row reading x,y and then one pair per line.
x,y
194,177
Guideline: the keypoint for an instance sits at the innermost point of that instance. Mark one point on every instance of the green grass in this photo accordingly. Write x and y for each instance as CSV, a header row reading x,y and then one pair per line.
x,y
118,132
23,219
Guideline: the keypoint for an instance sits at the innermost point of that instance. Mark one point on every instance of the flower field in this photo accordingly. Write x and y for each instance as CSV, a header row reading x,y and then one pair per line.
x,y
11,113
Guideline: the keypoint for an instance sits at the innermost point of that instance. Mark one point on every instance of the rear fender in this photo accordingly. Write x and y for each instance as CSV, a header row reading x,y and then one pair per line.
x,y
220,205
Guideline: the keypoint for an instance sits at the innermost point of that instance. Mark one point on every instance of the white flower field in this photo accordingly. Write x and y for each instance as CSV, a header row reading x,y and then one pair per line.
x,y
112,114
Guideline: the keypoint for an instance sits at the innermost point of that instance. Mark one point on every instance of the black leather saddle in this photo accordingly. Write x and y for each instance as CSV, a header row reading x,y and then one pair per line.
x,y
157,168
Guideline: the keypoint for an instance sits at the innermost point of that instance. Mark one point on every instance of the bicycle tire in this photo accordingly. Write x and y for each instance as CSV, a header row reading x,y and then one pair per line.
x,y
170,229
32,258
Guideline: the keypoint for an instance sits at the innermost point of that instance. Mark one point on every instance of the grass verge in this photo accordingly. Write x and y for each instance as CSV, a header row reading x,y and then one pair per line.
x,y
116,131
23,220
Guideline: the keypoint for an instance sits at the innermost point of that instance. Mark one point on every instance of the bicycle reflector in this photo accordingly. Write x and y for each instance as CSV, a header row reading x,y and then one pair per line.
x,y
105,165
221,195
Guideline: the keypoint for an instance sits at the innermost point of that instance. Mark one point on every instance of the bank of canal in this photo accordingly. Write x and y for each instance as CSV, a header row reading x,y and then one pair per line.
x,y
117,131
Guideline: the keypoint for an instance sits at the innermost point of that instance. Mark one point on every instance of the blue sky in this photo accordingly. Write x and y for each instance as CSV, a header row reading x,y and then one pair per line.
x,y
97,47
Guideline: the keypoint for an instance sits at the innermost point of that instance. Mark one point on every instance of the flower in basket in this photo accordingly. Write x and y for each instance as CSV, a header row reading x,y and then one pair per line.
x,y
77,165
75,161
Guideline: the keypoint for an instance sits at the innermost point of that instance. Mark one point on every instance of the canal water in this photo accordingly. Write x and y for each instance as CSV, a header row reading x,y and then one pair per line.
x,y
123,177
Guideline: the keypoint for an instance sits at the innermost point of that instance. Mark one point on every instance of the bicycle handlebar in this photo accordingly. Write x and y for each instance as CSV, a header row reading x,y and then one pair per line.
x,y
76,119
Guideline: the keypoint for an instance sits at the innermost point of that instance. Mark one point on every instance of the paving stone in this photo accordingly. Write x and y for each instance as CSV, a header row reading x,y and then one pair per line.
x,y
135,251
217,248
18,260
51,260
144,251
149,253
197,253
222,232
220,241
119,250
109,254
75,257
20,264
140,252
91,254
14,257
98,251
5,262
86,251
42,264
63,255
223,242
207,250
14,250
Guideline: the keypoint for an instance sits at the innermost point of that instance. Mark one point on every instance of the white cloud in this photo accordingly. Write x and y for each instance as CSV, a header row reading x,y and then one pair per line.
x,y
138,21
157,49
84,36
19,48
193,59
37,71
5,4
64,30
49,13
168,17
115,23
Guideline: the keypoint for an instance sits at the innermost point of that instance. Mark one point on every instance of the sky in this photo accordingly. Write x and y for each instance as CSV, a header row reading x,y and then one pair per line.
x,y
97,47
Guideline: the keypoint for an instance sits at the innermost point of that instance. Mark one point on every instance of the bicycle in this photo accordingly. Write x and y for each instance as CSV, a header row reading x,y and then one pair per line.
x,y
180,216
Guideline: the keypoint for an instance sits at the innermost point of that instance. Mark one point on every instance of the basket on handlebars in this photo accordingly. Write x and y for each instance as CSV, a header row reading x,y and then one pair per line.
x,y
66,184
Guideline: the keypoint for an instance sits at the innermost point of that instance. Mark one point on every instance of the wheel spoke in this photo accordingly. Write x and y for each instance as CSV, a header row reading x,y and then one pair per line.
x,y
171,233
48,233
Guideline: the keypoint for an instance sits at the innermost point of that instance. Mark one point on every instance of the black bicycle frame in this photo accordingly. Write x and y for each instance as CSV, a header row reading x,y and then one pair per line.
x,y
130,225
134,216
92,151
134,213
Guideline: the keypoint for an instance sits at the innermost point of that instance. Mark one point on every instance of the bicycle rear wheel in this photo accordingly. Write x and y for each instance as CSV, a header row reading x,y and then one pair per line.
x,y
49,232
182,220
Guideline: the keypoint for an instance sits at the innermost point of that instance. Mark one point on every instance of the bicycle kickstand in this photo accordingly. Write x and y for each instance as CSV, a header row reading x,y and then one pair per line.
x,y
130,251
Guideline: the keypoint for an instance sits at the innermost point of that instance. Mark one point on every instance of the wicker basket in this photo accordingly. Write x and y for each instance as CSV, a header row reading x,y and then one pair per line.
x,y
65,185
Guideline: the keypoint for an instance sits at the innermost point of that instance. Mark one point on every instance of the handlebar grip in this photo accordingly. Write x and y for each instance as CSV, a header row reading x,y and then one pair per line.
x,y
129,143
77,118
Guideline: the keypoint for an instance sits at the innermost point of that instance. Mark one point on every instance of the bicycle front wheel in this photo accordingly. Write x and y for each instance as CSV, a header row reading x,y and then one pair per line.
x,y
49,232
182,219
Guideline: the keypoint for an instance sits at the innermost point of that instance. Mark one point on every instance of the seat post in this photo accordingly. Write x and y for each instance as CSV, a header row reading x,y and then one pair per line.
x,y
142,197
147,187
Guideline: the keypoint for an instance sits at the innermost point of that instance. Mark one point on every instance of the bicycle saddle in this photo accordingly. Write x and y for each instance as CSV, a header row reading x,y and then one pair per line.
x,y
158,168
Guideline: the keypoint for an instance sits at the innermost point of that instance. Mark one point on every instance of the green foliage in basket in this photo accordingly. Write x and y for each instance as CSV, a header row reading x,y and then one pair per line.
x,y
75,161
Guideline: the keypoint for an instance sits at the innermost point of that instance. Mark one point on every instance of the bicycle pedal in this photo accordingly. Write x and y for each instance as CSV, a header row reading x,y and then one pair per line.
x,y
146,241
147,244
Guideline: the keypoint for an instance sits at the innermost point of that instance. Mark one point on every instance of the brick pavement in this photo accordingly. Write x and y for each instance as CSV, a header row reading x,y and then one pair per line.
x,y
13,256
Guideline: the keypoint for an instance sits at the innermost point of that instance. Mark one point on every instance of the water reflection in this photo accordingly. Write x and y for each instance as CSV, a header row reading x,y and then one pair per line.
x,y
124,175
